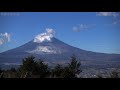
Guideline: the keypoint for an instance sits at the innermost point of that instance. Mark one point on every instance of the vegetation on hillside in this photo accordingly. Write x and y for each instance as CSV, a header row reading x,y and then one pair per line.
x,y
32,68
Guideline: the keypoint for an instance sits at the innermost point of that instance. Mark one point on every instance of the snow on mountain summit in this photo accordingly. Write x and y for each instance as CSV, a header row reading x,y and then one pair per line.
x,y
44,36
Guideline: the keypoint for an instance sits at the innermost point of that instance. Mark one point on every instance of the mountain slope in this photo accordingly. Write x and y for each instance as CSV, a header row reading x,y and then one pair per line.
x,y
55,50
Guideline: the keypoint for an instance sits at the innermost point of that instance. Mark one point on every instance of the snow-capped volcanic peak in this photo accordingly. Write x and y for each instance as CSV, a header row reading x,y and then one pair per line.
x,y
44,36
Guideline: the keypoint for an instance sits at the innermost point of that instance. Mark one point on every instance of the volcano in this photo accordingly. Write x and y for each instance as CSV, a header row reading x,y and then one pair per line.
x,y
53,50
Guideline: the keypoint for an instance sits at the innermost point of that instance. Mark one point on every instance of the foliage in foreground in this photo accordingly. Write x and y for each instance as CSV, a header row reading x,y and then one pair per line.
x,y
32,68
70,71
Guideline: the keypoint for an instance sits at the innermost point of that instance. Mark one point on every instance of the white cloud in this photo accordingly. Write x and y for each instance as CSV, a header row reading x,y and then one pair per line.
x,y
80,27
44,36
9,13
4,38
76,29
114,14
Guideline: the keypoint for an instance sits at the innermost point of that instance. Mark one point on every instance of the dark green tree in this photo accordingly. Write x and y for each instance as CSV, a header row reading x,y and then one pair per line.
x,y
2,75
32,68
57,71
114,74
41,69
70,71
1,70
27,66
73,69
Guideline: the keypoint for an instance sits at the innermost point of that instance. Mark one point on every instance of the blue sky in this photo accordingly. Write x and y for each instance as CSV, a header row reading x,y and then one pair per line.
x,y
92,31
